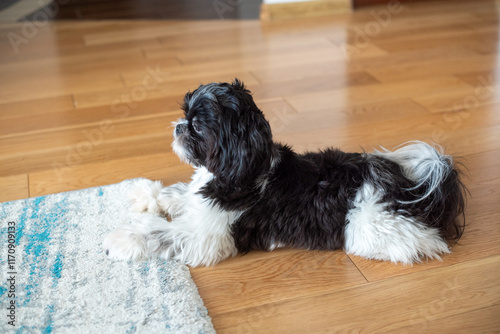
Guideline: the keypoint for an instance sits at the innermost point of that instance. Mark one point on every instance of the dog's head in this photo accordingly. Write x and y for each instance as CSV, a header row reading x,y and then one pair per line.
x,y
224,131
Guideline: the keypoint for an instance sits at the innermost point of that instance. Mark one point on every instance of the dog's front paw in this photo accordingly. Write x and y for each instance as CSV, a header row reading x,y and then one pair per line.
x,y
143,196
124,244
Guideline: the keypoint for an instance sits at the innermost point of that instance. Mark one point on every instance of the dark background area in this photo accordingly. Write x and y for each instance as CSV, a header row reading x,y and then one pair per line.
x,y
155,9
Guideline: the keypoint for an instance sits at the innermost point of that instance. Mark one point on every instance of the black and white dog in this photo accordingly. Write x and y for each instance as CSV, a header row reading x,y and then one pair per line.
x,y
250,193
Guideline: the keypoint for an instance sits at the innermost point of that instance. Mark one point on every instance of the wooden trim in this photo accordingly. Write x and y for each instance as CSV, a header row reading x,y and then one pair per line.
x,y
302,9
365,3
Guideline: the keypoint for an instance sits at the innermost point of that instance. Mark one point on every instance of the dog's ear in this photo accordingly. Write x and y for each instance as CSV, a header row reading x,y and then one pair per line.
x,y
243,150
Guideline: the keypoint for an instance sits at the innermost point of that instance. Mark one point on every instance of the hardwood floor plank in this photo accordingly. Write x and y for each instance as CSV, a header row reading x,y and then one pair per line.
x,y
40,49
54,119
420,27
26,40
482,43
368,138
481,79
158,30
251,49
377,92
412,299
74,64
33,107
287,274
188,81
14,187
314,117
311,85
203,39
466,100
330,67
145,86
53,86
251,62
87,144
434,68
480,321
75,73
164,167
457,133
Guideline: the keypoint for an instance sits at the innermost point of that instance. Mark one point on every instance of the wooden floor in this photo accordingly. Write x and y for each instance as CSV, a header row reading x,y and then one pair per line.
x,y
85,104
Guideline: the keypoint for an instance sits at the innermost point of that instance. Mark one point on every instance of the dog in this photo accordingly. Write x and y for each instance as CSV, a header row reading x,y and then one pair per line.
x,y
249,192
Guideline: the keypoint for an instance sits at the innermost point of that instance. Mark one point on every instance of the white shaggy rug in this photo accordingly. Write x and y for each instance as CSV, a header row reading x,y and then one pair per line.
x,y
55,278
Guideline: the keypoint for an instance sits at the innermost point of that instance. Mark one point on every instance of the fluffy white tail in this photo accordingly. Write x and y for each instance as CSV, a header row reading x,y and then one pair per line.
x,y
422,163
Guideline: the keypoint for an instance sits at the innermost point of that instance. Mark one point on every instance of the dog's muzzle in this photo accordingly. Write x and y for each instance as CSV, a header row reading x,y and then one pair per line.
x,y
180,128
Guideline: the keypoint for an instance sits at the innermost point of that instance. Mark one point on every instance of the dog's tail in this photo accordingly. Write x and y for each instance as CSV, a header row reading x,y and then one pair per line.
x,y
438,194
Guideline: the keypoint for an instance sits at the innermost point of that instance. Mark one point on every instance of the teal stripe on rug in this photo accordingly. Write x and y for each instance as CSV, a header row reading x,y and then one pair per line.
x,y
62,282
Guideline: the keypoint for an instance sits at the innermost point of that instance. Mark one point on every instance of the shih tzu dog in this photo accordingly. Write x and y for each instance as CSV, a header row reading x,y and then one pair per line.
x,y
251,193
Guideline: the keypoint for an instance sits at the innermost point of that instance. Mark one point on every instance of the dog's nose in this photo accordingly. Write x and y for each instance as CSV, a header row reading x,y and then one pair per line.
x,y
180,129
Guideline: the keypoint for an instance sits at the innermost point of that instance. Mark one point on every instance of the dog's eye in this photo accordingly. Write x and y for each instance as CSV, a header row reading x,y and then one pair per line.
x,y
196,125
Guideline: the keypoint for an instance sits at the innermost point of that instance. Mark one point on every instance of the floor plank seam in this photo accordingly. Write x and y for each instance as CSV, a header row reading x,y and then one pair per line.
x,y
354,263
29,185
